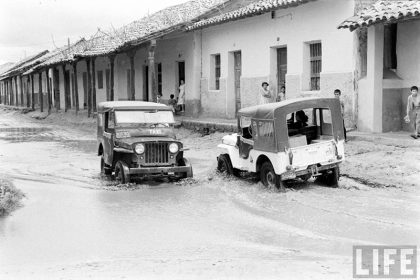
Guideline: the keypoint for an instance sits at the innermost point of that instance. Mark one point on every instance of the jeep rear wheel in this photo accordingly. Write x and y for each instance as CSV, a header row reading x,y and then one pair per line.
x,y
269,178
105,168
332,176
224,165
121,173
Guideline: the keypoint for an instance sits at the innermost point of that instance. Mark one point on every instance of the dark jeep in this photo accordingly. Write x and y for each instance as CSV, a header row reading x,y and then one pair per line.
x,y
136,139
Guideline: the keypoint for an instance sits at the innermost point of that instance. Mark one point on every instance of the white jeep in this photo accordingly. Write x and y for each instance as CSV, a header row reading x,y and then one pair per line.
x,y
297,138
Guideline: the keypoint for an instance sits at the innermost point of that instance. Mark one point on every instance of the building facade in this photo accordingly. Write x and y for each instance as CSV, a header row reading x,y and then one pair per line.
x,y
225,53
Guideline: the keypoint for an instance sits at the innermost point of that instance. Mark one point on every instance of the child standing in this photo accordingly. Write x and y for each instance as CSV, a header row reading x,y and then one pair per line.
x,y
413,106
172,102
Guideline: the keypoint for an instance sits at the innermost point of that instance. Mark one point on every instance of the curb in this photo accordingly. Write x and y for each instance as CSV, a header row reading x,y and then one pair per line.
x,y
208,126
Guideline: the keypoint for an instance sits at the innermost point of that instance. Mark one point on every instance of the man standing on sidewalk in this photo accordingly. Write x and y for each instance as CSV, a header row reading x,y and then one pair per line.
x,y
337,94
413,106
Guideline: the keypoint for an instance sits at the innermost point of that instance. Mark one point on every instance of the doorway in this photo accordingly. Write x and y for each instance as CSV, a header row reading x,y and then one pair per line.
x,y
181,72
281,67
237,68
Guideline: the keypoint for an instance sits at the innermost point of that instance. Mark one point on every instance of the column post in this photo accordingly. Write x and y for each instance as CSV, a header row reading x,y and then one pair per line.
x,y
374,77
111,90
41,96
131,54
93,85
76,89
89,80
152,72
33,92
49,99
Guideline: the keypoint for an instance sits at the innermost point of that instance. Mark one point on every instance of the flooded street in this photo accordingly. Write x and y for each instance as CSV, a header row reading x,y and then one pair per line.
x,y
75,224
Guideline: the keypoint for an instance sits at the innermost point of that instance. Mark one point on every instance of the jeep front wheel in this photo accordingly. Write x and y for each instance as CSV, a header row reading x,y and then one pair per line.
x,y
224,165
269,178
121,172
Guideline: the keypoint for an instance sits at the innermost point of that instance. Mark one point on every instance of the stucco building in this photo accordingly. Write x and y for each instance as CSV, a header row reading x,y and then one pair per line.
x,y
389,62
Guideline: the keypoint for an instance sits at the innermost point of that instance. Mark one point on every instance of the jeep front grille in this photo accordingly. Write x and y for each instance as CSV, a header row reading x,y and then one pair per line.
x,y
156,153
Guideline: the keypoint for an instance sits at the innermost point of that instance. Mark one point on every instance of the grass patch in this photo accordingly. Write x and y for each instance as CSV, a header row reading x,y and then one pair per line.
x,y
10,197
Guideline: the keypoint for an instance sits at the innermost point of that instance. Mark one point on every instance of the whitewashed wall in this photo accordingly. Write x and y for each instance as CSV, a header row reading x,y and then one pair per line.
x,y
257,37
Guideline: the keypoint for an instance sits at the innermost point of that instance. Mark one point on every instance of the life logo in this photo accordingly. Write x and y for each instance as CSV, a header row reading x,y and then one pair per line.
x,y
385,261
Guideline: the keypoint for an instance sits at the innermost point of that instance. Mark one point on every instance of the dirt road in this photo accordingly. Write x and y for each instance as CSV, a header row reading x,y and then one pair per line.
x,y
76,224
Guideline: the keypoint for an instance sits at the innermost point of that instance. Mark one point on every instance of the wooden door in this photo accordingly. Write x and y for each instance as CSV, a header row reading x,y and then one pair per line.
x,y
281,67
237,74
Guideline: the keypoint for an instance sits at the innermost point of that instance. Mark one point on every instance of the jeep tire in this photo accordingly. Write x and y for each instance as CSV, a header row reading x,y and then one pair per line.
x,y
331,177
188,174
121,172
269,178
224,165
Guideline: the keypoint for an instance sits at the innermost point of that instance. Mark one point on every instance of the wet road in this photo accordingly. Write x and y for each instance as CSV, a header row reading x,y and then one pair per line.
x,y
76,224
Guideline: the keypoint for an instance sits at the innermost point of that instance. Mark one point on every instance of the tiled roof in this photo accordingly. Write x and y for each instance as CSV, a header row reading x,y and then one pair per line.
x,y
149,27
253,9
6,66
383,11
64,54
17,66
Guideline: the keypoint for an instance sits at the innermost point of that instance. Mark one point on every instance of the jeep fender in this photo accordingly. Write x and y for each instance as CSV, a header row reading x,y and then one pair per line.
x,y
233,153
278,160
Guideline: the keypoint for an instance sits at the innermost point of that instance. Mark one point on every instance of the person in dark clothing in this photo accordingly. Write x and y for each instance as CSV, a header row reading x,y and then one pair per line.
x,y
301,119
337,94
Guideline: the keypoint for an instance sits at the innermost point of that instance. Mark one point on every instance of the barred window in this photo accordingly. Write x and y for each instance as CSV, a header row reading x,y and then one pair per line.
x,y
315,53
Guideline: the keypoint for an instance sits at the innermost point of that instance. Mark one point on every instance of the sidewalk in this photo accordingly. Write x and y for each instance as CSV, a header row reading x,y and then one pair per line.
x,y
212,124
397,139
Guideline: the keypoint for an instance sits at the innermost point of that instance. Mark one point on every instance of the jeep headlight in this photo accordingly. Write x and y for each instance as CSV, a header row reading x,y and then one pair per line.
x,y
173,148
139,148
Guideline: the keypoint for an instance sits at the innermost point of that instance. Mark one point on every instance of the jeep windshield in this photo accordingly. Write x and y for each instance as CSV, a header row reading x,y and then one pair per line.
x,y
144,118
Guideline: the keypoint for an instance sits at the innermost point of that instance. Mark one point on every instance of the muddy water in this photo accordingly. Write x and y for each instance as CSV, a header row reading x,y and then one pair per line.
x,y
76,224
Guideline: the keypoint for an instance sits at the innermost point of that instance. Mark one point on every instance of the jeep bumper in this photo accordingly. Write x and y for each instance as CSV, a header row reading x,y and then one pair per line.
x,y
314,170
161,171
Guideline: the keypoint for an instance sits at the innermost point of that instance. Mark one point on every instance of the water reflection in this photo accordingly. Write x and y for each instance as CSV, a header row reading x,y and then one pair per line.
x,y
21,134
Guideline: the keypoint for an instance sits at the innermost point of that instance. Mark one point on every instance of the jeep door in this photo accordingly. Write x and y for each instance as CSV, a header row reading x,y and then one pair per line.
x,y
245,137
